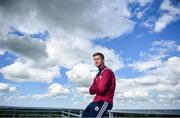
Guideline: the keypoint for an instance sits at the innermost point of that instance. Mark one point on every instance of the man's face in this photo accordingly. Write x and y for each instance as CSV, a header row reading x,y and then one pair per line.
x,y
98,61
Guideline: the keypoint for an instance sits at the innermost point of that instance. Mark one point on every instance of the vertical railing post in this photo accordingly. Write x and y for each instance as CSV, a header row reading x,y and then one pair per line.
x,y
111,115
49,112
80,113
68,113
62,112
14,113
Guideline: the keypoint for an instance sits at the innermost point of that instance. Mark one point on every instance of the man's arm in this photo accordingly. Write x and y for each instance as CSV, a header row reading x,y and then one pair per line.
x,y
92,89
102,84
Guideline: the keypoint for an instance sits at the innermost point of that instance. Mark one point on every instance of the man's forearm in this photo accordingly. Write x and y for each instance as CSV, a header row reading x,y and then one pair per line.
x,y
92,90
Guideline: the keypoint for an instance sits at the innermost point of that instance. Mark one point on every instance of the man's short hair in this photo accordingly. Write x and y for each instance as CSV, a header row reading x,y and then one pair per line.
x,y
98,54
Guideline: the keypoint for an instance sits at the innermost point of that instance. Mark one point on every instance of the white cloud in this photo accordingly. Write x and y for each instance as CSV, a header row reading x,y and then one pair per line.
x,y
145,65
82,75
167,6
90,18
24,46
136,89
143,6
171,14
168,13
4,87
21,72
112,59
160,84
55,90
178,48
70,40
170,69
68,51
83,90
155,55
159,81
145,80
144,2
1,52
163,21
64,52
149,23
134,94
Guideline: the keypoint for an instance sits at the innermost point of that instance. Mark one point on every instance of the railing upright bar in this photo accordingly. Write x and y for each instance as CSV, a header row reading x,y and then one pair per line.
x,y
62,112
49,112
111,114
68,113
80,113
14,113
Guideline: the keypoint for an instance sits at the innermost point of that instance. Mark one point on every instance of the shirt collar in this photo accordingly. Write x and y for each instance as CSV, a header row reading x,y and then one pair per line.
x,y
102,67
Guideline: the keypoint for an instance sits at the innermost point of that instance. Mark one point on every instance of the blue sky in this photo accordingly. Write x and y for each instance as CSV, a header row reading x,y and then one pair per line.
x,y
46,58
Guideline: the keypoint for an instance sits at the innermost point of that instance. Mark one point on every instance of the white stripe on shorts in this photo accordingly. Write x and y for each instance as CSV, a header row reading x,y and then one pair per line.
x,y
101,111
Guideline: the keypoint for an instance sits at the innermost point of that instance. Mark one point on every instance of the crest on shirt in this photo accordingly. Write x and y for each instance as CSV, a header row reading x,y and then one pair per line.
x,y
96,108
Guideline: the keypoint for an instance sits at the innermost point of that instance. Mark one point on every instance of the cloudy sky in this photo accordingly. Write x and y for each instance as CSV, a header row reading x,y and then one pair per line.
x,y
46,51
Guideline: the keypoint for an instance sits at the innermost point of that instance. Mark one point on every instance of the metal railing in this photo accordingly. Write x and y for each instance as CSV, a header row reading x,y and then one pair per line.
x,y
14,112
67,113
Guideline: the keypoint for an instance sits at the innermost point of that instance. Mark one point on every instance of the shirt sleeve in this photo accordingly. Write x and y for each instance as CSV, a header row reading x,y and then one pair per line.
x,y
102,83
92,89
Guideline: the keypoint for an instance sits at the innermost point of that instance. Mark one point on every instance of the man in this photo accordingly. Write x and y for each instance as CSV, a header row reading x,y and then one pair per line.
x,y
103,87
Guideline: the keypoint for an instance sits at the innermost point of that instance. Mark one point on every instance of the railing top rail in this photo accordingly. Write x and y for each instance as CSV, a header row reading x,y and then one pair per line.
x,y
121,111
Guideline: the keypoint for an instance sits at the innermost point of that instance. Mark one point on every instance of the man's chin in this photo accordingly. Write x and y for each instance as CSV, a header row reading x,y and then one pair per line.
x,y
98,66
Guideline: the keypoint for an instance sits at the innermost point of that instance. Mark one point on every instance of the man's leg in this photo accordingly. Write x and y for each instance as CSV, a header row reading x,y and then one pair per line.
x,y
87,110
98,109
109,107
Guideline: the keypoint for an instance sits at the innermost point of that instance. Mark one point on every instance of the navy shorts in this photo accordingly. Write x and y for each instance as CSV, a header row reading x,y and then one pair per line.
x,y
96,109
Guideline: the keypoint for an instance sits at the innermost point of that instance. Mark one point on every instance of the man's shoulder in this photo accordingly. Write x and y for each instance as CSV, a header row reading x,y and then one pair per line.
x,y
107,69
